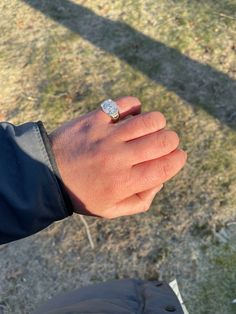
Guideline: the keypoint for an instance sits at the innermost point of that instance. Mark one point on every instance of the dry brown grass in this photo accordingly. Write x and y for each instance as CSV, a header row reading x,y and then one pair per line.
x,y
51,73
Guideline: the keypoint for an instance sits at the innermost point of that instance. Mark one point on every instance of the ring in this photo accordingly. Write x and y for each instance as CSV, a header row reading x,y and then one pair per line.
x,y
111,108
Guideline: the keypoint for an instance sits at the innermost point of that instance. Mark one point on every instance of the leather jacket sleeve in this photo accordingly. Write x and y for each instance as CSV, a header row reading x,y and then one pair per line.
x,y
31,191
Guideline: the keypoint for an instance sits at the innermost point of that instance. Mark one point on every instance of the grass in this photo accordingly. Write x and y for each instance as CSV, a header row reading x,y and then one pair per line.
x,y
51,73
216,289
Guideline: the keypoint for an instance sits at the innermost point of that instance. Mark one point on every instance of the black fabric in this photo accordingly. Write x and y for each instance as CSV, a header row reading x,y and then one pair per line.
x,y
51,156
128,296
30,196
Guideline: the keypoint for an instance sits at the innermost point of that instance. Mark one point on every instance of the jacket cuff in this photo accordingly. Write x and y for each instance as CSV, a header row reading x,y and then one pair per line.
x,y
31,196
64,195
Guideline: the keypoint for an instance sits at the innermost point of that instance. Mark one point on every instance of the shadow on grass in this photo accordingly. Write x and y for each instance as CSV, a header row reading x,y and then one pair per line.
x,y
198,84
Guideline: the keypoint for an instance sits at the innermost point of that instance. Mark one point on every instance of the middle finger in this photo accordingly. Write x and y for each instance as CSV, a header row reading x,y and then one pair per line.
x,y
151,146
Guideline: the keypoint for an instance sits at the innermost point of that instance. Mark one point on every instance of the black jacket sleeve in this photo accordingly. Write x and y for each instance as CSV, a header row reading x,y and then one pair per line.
x,y
31,191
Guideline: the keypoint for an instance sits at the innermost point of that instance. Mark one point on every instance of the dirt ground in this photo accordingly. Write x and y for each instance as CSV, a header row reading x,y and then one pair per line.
x,y
60,59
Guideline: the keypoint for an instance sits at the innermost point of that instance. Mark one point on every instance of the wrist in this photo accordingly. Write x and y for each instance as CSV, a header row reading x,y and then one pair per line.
x,y
49,145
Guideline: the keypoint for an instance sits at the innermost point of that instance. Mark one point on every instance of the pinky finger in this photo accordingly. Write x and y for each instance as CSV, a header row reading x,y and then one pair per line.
x,y
135,204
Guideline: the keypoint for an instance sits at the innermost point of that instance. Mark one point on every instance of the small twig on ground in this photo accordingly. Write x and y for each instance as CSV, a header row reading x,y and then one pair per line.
x,y
225,15
231,223
58,95
87,231
28,97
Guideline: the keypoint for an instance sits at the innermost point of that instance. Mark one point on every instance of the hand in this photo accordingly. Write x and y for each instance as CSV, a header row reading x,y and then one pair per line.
x,y
115,169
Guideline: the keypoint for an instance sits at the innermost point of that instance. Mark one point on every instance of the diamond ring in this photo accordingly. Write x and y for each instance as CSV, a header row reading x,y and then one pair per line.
x,y
110,107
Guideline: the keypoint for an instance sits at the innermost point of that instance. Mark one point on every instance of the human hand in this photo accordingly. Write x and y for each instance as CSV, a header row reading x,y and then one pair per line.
x,y
116,169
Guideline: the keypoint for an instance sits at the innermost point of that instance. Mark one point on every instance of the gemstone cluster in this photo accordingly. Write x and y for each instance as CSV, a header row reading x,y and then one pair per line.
x,y
110,107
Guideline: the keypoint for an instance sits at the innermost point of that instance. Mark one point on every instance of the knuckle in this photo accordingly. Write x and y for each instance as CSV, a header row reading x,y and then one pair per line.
x,y
145,208
128,101
163,140
174,138
153,121
160,118
166,170
135,100
168,139
148,122
183,157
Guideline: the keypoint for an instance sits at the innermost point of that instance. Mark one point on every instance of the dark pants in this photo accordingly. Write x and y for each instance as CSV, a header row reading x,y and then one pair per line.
x,y
119,296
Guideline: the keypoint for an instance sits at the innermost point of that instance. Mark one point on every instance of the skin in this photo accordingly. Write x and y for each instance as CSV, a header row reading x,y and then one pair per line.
x,y
115,169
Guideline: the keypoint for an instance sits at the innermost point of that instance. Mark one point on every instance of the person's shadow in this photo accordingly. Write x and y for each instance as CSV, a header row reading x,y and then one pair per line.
x,y
198,84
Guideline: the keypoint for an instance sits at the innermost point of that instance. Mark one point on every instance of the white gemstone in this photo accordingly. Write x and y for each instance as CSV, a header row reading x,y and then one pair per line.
x,y
109,107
